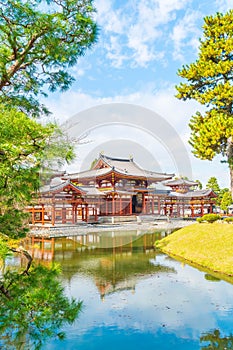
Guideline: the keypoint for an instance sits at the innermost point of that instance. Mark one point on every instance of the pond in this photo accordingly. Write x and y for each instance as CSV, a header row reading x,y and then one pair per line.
x,y
135,297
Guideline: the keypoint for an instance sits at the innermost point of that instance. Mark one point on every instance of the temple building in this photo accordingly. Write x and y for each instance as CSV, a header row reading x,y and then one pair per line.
x,y
186,200
116,187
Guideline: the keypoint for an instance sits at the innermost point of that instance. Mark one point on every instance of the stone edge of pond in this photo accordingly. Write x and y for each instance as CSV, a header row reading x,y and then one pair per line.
x,y
63,231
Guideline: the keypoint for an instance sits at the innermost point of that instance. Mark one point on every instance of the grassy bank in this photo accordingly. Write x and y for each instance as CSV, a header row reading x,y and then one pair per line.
x,y
208,245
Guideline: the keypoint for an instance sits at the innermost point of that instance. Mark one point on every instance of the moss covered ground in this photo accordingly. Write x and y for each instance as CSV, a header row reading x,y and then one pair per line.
x,y
207,245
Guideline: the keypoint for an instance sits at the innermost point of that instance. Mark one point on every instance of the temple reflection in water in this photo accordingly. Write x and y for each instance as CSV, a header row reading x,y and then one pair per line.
x,y
115,260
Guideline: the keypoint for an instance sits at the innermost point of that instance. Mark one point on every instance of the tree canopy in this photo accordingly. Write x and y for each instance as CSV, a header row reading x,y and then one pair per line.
x,y
25,147
209,80
34,308
40,41
226,200
213,184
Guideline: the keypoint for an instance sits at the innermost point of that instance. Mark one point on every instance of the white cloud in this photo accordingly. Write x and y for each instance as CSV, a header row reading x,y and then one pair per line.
x,y
110,19
115,52
186,33
132,32
177,113
224,5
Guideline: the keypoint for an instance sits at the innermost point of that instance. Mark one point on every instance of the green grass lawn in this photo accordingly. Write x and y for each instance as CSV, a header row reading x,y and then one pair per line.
x,y
208,245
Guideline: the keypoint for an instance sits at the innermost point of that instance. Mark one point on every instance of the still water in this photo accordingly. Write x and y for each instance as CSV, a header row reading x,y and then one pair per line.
x,y
137,298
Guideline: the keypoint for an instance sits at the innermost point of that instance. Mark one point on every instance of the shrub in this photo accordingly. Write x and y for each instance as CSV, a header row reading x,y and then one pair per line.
x,y
209,218
229,220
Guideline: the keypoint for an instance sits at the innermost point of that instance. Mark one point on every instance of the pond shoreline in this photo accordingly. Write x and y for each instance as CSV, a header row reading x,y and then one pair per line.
x,y
205,245
82,228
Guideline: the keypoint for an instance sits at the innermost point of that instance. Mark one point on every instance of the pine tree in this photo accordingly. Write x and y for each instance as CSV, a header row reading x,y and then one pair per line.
x,y
209,80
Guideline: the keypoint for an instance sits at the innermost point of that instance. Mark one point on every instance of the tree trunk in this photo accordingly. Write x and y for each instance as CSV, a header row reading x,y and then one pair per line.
x,y
230,163
231,180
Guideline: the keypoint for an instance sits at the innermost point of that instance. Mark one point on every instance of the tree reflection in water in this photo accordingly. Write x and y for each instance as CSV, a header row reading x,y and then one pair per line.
x,y
34,308
215,341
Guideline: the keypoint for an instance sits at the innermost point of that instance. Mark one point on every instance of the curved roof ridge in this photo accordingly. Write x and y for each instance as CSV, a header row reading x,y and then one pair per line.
x,y
103,156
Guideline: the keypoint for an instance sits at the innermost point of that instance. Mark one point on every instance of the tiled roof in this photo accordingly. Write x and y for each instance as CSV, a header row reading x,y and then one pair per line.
x,y
89,174
129,167
59,187
92,191
181,182
194,194
125,167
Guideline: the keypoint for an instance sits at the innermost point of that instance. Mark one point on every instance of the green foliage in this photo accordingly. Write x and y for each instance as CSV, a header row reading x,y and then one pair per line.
x,y
209,81
226,200
23,145
213,184
34,308
211,278
215,341
221,194
229,219
4,249
210,218
39,42
13,223
38,47
199,184
26,147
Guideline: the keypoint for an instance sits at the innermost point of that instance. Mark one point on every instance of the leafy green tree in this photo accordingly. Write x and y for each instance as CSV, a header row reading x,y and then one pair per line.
x,y
199,184
33,308
209,81
213,184
39,41
226,200
25,146
215,341
32,303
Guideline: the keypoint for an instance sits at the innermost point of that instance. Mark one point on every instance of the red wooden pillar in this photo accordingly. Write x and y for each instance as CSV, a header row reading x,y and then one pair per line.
x,y
153,204
33,215
192,211
211,208
120,205
143,203
171,210
159,206
63,215
53,214
113,205
202,208
130,206
106,206
42,214
73,213
86,212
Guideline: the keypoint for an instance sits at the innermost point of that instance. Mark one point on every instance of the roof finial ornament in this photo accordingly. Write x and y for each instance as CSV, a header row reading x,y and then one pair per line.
x,y
131,157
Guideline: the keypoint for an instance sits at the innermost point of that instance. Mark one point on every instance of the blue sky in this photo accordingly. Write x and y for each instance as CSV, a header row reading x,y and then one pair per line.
x,y
141,45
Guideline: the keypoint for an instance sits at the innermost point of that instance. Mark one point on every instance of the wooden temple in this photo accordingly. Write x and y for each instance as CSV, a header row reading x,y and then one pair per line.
x,y
185,200
115,187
